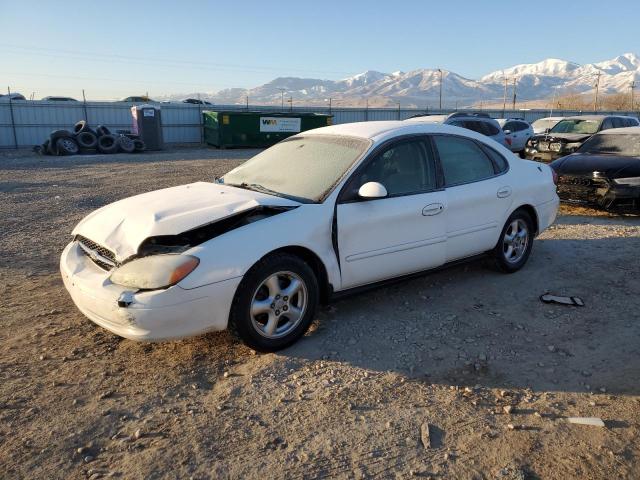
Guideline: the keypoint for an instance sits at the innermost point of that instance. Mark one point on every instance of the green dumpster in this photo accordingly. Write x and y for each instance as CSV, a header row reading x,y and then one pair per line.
x,y
256,129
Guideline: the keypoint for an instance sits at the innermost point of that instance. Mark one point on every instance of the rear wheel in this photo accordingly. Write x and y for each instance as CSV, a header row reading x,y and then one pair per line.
x,y
275,303
516,240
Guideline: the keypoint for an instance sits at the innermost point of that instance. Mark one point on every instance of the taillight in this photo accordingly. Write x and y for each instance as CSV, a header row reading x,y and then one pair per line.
x,y
555,176
507,140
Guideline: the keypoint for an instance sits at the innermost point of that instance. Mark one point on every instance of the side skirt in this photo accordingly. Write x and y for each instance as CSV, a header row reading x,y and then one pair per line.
x,y
390,281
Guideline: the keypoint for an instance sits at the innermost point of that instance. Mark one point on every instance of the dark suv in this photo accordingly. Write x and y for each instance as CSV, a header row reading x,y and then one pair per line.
x,y
569,134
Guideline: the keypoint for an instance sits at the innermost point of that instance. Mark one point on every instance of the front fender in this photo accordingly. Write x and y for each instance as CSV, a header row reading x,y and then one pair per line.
x,y
232,254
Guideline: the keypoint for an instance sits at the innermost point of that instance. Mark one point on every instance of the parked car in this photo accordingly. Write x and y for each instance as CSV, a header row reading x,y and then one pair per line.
x,y
543,125
196,101
517,132
138,99
570,133
256,250
478,122
59,99
604,171
5,97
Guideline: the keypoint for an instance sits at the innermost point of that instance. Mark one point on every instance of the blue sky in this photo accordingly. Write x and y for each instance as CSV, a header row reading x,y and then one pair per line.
x,y
119,48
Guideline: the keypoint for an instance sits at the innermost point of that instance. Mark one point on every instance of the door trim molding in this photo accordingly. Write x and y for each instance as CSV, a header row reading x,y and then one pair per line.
x,y
395,248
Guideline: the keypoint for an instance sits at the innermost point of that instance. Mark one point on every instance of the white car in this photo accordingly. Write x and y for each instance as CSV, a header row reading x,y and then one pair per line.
x,y
322,213
517,132
543,125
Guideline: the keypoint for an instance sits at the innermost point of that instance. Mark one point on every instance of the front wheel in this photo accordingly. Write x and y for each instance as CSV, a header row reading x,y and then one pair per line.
x,y
275,303
514,246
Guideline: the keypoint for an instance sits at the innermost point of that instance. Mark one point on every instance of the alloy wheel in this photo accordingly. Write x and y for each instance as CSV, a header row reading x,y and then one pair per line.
x,y
279,304
515,241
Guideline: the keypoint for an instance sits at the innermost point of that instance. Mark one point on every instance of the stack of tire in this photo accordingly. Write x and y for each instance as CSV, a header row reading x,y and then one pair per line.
x,y
84,139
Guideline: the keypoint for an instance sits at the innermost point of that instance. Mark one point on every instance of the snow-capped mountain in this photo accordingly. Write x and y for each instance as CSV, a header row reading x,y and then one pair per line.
x,y
422,87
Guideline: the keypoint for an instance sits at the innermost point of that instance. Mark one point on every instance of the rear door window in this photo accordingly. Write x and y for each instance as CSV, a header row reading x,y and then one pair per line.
x,y
462,160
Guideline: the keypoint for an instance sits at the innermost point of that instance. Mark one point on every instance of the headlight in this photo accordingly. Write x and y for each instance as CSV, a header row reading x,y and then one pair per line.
x,y
555,147
572,146
154,271
632,181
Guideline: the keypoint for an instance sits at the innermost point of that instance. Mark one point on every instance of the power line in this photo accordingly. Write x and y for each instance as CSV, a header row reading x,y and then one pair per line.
x,y
141,60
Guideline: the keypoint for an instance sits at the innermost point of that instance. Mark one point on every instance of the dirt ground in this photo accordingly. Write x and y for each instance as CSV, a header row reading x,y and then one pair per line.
x,y
470,355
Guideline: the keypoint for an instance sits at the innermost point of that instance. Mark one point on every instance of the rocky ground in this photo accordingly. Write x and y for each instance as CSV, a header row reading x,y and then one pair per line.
x,y
462,373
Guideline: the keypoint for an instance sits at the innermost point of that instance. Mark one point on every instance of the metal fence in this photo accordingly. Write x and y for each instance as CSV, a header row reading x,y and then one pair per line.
x,y
28,123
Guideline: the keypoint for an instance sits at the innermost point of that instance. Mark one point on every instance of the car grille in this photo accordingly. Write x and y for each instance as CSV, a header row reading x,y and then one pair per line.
x,y
101,256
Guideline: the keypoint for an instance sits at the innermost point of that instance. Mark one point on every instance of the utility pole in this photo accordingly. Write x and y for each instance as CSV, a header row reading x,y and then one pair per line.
x,y
504,98
514,93
247,99
366,111
398,110
282,98
439,70
595,98
633,85
291,104
329,105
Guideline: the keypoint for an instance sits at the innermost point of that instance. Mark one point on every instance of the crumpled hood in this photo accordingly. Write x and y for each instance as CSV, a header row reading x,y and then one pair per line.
x,y
562,137
123,225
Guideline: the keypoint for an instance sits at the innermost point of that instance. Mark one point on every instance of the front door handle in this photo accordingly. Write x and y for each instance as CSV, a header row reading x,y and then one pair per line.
x,y
432,209
504,192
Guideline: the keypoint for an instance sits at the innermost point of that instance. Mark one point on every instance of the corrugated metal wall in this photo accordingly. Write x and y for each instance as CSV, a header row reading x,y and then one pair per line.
x,y
32,121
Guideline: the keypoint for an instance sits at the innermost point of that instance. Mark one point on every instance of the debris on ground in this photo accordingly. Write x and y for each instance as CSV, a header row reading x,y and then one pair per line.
x,y
425,435
594,421
573,301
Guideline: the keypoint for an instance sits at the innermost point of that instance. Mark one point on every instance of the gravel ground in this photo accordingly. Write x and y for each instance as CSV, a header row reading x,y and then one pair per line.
x,y
469,356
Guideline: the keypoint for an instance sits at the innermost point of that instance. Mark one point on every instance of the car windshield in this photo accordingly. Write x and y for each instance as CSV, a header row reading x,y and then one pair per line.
x,y
625,145
303,167
576,126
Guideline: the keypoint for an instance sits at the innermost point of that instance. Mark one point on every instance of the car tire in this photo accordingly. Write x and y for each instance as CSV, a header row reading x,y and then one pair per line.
x,y
262,315
56,134
67,146
516,241
126,144
102,130
107,144
86,140
139,145
82,126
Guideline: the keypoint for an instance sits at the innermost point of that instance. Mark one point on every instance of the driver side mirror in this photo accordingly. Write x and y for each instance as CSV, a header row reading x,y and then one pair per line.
x,y
372,190
507,132
547,130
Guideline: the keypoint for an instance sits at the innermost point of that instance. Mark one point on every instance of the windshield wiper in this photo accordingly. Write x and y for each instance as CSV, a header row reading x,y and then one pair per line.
x,y
256,187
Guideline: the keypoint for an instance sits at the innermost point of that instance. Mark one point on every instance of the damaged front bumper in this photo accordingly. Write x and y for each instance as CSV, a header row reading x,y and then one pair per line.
x,y
150,315
598,191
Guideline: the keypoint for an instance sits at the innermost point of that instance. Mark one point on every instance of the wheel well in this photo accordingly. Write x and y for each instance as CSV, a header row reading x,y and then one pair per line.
x,y
316,265
532,213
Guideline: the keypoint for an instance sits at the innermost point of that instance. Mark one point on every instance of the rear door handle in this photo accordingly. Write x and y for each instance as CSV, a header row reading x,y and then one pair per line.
x,y
504,192
432,209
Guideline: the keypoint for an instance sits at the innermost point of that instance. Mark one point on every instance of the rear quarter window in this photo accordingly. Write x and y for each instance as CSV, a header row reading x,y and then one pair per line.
x,y
490,129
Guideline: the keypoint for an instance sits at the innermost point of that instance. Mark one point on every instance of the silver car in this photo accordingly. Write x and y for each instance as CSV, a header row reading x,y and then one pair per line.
x,y
518,132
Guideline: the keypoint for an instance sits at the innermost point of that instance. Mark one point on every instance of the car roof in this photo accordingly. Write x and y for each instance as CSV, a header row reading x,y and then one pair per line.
x,y
623,130
380,130
550,118
505,120
595,117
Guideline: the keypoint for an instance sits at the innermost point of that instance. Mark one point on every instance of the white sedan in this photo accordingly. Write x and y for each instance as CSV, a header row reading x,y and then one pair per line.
x,y
323,213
